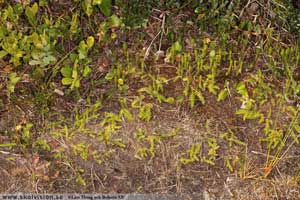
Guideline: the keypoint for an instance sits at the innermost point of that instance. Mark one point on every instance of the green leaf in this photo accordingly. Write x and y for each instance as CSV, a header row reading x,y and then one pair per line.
x,y
212,54
31,12
109,75
86,71
241,89
118,142
48,60
104,27
38,73
90,41
222,95
14,78
3,32
115,21
145,112
82,54
87,7
82,45
80,180
248,114
177,46
42,144
67,81
82,50
7,145
74,23
197,10
212,88
74,74
73,57
76,83
34,38
3,53
66,71
105,7
170,100
34,9
297,128
200,96
294,136
179,99
36,55
126,113
97,2
192,99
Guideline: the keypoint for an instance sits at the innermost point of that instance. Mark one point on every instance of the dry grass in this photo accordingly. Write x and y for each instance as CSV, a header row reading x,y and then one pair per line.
x,y
123,172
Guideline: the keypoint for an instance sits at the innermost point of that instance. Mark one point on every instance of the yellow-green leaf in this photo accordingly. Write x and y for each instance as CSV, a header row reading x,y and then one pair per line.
x,y
222,95
90,41
67,81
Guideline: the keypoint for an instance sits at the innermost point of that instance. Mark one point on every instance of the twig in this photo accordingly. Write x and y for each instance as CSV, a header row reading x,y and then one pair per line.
x,y
149,47
242,11
9,153
161,32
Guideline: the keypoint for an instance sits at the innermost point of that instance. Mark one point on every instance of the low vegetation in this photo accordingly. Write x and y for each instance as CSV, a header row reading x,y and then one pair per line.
x,y
160,97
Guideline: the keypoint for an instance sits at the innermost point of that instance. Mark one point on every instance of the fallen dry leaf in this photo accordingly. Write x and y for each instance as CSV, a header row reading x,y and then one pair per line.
x,y
7,68
35,161
55,175
19,171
